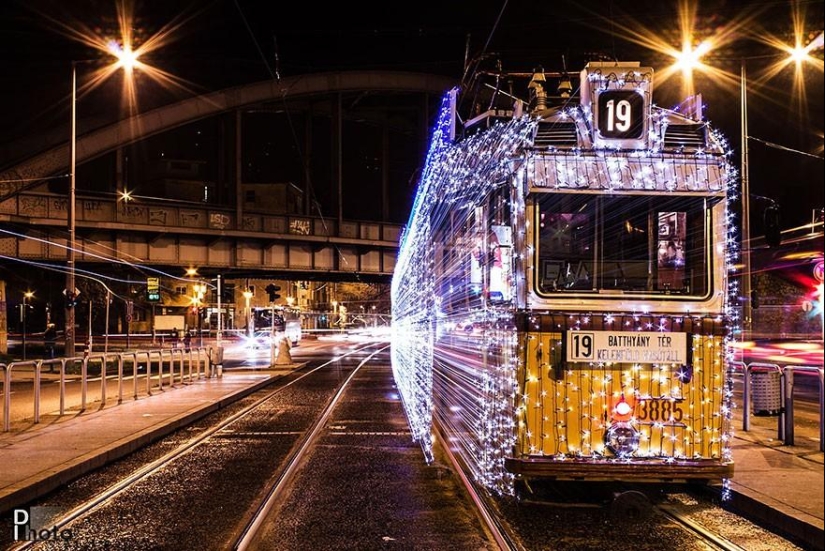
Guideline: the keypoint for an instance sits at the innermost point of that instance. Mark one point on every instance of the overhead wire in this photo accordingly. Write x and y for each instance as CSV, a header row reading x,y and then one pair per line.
x,y
277,77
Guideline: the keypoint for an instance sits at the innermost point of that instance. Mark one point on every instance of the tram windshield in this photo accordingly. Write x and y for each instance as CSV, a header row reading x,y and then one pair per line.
x,y
640,244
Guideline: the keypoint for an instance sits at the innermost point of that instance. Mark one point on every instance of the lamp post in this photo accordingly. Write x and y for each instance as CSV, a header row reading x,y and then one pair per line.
x,y
247,295
70,280
689,60
23,315
126,58
747,305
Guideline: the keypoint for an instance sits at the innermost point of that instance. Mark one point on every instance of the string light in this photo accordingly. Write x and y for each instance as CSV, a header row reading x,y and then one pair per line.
x,y
459,357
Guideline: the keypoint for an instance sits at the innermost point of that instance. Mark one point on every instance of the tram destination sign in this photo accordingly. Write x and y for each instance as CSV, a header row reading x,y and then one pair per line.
x,y
646,347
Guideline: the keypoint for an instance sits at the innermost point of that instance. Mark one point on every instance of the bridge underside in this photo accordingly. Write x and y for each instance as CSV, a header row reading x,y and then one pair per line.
x,y
297,183
173,238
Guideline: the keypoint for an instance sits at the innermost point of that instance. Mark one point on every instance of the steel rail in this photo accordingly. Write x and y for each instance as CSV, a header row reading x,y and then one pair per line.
x,y
495,530
112,491
250,531
706,536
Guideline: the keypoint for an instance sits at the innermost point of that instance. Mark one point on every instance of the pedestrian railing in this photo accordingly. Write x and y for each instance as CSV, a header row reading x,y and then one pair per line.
x,y
785,390
156,368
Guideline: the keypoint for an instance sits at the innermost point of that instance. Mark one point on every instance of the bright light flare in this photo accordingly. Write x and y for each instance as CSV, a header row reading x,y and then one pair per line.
x,y
689,59
127,59
127,49
798,55
696,41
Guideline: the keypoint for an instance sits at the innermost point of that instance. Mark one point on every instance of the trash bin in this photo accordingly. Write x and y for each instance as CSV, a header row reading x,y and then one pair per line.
x,y
766,390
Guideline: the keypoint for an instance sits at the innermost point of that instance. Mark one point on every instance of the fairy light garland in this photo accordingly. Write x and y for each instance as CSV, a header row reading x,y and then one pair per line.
x,y
467,367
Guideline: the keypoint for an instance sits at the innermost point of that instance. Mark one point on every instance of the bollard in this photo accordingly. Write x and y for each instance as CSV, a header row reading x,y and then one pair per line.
x,y
284,357
216,362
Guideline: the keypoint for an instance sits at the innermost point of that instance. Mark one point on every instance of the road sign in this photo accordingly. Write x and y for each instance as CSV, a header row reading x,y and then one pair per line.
x,y
153,289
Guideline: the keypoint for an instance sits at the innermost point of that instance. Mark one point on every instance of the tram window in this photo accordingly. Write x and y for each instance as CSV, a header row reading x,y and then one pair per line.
x,y
626,244
631,244
565,247
670,250
500,262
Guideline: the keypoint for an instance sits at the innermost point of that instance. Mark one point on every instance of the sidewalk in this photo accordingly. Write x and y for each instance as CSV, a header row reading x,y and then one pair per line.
x,y
775,484
38,460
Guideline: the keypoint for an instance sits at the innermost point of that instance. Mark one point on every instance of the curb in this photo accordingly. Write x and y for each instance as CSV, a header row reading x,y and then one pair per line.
x,y
803,533
42,483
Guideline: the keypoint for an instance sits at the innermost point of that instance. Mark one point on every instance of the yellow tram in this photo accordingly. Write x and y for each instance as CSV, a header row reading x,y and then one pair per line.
x,y
561,300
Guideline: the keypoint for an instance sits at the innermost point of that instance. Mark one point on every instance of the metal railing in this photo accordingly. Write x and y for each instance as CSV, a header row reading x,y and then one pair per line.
x,y
785,421
175,366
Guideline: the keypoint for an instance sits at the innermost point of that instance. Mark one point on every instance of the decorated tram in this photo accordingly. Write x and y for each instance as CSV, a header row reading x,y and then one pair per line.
x,y
561,301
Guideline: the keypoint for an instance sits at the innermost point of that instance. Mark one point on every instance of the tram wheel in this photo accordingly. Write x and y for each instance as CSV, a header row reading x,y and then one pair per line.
x,y
630,505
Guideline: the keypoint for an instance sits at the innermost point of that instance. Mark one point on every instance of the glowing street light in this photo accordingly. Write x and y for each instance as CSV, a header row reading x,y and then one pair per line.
x,y
126,58
689,60
125,196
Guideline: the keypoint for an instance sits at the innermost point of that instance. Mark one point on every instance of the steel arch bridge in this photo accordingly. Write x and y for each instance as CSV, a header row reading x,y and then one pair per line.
x,y
226,235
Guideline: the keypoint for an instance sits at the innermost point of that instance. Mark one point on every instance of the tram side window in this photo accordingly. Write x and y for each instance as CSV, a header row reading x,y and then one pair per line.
x,y
458,275
565,242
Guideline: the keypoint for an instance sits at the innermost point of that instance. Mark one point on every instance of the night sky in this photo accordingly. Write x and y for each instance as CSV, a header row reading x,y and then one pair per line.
x,y
222,43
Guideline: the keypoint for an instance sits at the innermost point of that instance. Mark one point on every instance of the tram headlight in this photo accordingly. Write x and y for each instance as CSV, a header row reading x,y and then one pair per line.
x,y
622,439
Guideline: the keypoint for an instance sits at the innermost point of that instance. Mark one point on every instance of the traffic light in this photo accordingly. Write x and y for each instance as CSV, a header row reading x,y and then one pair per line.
x,y
272,291
773,229
153,289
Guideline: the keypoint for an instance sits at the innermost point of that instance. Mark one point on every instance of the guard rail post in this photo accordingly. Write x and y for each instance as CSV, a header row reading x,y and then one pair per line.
x,y
103,373
84,376
119,378
180,365
62,386
171,368
160,368
37,365
7,396
746,399
786,434
134,375
148,373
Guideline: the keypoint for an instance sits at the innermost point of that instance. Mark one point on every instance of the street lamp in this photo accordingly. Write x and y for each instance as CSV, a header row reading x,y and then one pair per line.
x,y
690,61
747,305
127,59
200,292
23,315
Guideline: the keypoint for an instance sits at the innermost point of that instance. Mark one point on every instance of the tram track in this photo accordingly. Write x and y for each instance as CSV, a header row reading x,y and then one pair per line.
x,y
388,495
220,430
705,535
253,527
489,517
